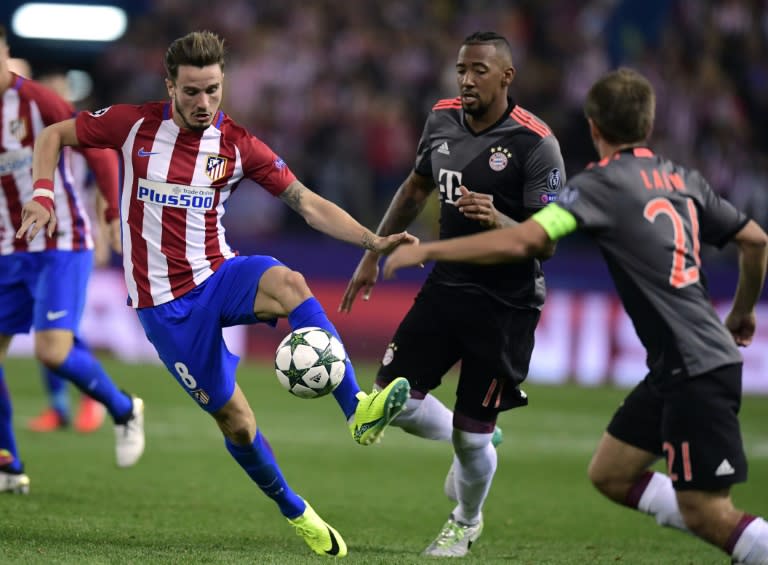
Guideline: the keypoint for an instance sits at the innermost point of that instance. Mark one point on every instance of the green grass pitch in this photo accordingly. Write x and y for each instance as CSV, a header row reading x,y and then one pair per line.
x,y
188,502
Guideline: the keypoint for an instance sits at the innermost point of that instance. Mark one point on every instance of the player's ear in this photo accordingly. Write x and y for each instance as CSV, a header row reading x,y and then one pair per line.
x,y
508,76
169,86
594,131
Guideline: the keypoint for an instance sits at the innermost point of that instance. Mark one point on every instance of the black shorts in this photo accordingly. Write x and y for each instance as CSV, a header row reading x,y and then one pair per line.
x,y
694,424
494,343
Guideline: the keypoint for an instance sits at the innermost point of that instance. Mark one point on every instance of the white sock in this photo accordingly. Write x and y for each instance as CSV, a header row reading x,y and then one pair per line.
x,y
659,500
751,548
428,418
474,463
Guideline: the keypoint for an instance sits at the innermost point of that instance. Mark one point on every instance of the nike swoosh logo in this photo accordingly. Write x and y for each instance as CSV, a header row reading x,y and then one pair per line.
x,y
55,315
334,543
142,153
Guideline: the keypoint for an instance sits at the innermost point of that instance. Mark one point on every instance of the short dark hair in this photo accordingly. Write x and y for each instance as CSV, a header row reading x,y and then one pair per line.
x,y
492,38
622,104
3,33
198,48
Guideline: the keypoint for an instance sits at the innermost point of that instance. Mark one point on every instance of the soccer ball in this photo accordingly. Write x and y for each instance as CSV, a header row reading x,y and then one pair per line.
x,y
309,362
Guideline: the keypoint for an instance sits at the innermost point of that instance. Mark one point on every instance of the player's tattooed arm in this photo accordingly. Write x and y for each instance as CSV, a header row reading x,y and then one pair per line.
x,y
292,196
369,241
326,217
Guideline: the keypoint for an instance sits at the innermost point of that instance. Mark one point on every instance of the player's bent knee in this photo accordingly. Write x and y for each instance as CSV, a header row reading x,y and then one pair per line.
x,y
464,441
598,474
607,482
294,281
52,353
288,287
52,346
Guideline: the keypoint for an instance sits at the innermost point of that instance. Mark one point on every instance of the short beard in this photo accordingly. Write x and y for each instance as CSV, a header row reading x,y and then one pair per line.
x,y
183,119
477,112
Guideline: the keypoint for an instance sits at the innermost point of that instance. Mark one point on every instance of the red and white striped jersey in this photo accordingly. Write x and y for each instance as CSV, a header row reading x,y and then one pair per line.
x,y
175,184
26,107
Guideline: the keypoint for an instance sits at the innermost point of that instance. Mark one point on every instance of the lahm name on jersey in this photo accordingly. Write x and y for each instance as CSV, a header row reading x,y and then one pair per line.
x,y
662,180
176,195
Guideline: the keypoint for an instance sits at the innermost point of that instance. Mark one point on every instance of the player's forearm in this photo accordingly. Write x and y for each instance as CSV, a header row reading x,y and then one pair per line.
x,y
330,219
46,154
752,265
753,259
504,221
483,248
405,207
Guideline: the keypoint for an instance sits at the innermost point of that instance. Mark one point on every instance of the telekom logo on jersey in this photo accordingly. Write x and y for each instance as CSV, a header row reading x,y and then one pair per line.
x,y
449,182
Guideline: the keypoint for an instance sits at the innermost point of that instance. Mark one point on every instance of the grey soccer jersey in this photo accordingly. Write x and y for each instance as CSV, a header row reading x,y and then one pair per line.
x,y
648,215
518,162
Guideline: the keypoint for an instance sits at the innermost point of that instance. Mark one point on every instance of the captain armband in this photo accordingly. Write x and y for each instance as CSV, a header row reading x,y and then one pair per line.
x,y
556,221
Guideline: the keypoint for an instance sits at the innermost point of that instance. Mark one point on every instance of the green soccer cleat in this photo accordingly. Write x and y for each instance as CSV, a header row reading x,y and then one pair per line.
x,y
455,539
375,411
449,487
320,537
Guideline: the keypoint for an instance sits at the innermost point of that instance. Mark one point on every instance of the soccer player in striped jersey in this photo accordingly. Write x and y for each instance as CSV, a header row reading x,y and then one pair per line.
x,y
182,160
43,279
57,415
649,216
493,164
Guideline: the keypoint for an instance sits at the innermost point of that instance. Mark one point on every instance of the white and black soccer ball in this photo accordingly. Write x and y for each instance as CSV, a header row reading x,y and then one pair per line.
x,y
309,362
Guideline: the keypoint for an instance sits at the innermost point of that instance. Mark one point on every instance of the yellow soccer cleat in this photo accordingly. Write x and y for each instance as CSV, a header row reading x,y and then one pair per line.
x,y
320,537
375,411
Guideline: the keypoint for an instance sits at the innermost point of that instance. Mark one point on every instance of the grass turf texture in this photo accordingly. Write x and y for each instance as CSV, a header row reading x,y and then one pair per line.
x,y
188,502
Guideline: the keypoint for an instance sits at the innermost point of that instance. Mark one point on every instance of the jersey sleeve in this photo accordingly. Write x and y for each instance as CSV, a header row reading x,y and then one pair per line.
x,y
53,108
544,173
106,128
104,165
590,202
264,167
423,164
719,220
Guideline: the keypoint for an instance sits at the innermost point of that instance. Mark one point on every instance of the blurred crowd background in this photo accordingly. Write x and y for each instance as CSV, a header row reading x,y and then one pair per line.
x,y
341,89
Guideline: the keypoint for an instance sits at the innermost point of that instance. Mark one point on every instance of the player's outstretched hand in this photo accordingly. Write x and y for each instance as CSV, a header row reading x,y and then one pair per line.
x,y
404,256
364,278
385,245
35,217
477,206
742,327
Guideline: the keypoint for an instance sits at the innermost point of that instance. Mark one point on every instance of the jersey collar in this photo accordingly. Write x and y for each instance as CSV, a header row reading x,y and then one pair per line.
x,y
510,107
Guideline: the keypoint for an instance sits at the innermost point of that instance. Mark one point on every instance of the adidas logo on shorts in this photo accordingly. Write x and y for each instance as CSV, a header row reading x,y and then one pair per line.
x,y
725,468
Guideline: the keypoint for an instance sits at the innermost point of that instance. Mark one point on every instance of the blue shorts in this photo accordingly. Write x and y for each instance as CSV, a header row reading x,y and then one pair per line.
x,y
44,290
186,332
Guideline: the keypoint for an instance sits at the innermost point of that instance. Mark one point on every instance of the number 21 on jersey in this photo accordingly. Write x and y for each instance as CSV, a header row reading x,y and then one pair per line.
x,y
680,275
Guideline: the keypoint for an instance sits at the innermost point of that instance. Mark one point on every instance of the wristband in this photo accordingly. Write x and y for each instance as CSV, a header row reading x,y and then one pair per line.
x,y
43,184
42,193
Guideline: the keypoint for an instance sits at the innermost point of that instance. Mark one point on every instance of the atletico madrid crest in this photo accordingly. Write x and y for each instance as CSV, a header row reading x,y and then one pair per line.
x,y
18,128
215,167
